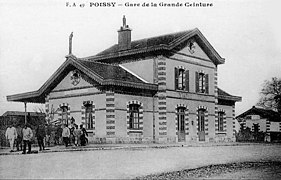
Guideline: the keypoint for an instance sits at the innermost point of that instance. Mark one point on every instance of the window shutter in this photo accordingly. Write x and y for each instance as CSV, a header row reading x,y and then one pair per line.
x,y
176,78
196,81
186,80
207,84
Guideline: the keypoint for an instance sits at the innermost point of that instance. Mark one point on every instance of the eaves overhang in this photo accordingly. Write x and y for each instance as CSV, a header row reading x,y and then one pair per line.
x,y
230,98
39,95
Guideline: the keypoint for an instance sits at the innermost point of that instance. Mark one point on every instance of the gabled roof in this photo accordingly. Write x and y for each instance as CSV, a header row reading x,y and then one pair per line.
x,y
166,42
264,113
225,96
148,42
19,113
109,72
103,74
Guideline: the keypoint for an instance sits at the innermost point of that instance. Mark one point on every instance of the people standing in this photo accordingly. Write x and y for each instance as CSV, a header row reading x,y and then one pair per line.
x,y
19,138
65,134
83,137
40,134
58,135
71,137
48,135
27,135
11,135
77,134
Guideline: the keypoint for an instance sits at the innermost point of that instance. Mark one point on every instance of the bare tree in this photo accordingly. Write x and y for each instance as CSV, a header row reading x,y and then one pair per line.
x,y
271,94
39,109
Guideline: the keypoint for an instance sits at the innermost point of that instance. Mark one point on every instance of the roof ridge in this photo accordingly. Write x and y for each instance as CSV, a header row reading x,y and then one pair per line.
x,y
166,34
97,62
145,39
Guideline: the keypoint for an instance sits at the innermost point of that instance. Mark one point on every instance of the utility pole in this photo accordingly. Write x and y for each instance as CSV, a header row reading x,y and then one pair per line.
x,y
24,112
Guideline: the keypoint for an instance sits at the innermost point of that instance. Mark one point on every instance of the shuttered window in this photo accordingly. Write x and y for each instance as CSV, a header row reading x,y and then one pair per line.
x,y
181,79
202,83
186,73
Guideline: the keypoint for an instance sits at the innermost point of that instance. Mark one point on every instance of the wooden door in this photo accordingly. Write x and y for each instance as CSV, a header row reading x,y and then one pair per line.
x,y
181,125
201,125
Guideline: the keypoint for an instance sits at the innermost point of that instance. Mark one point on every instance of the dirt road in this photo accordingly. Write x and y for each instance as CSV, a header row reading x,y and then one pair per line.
x,y
126,163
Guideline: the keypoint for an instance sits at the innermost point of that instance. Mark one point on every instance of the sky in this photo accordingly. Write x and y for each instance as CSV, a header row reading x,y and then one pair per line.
x,y
34,39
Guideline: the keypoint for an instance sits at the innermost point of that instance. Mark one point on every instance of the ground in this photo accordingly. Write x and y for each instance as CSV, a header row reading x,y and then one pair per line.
x,y
241,170
130,163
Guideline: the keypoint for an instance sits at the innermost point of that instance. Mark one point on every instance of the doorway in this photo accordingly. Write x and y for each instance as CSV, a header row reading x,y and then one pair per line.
x,y
181,124
201,125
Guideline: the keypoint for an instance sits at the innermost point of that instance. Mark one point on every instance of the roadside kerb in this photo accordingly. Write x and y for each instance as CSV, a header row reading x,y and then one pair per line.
x,y
128,146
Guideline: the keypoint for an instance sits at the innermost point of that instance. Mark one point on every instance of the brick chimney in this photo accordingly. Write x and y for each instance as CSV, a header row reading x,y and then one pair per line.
x,y
124,36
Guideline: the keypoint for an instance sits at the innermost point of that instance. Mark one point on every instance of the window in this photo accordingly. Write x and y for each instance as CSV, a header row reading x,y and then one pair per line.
x,y
202,83
88,116
220,121
64,115
201,120
134,116
181,79
256,127
181,118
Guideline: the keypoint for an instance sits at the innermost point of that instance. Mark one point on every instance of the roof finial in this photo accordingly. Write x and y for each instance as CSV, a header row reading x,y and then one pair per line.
x,y
124,21
70,43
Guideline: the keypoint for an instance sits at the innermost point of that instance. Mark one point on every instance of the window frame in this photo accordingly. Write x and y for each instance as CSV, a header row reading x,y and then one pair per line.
x,y
181,118
201,119
64,113
220,121
201,82
181,79
134,117
89,124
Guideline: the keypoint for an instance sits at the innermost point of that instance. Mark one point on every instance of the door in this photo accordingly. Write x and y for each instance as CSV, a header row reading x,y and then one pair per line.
x,y
181,125
201,125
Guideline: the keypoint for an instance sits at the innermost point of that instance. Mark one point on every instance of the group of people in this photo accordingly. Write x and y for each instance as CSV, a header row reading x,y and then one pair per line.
x,y
23,137
75,135
19,135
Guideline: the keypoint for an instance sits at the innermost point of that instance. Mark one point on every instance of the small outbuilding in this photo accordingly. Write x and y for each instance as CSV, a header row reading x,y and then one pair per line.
x,y
262,120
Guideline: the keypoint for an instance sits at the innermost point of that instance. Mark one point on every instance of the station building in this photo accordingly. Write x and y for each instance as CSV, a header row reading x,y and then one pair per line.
x,y
158,89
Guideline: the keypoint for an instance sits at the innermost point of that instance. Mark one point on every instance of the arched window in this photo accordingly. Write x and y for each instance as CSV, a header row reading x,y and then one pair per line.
x,y
134,118
88,116
201,120
64,115
181,118
220,121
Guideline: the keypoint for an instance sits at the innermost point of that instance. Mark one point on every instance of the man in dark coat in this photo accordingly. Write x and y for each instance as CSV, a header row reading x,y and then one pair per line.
x,y
48,134
83,138
19,138
40,134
